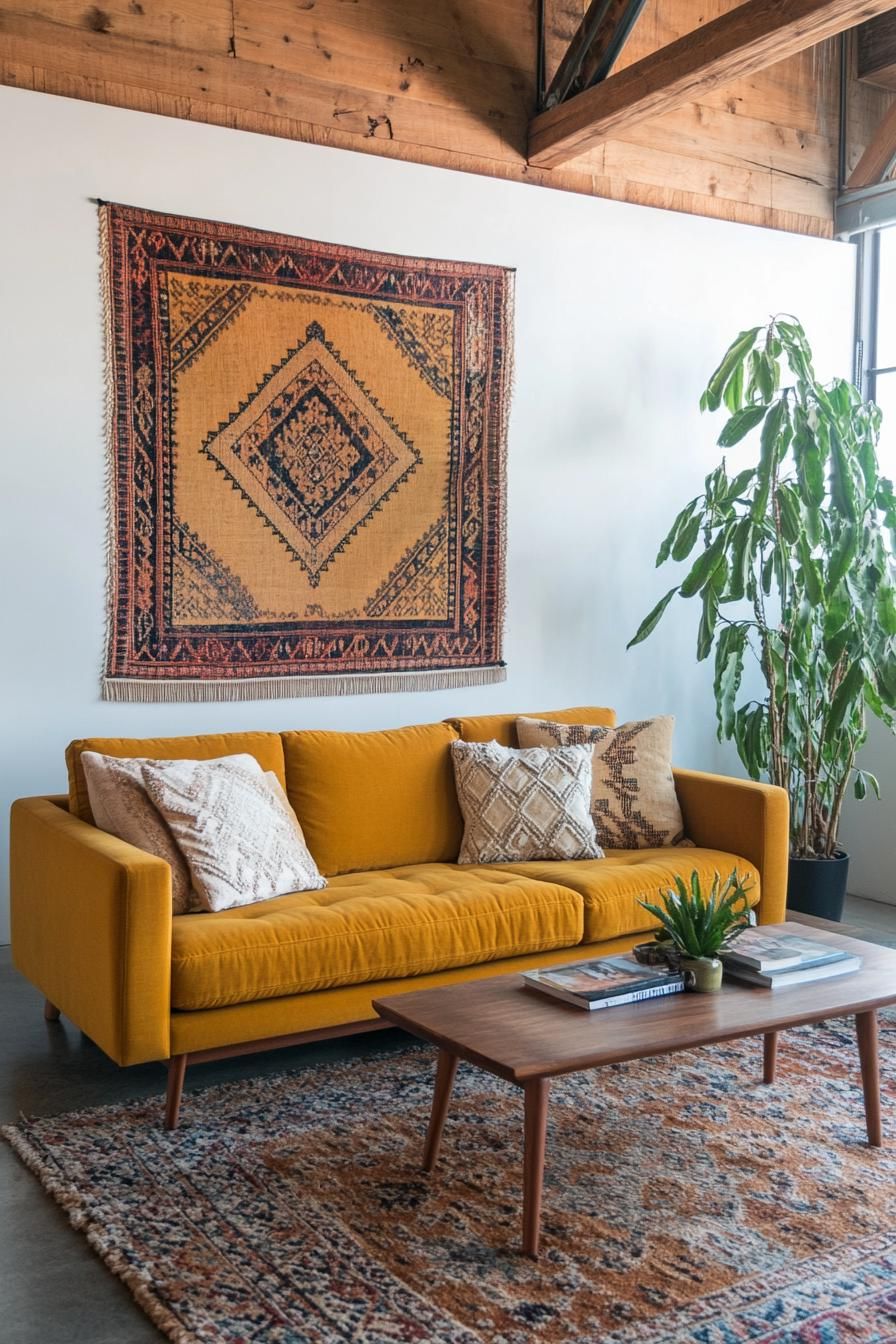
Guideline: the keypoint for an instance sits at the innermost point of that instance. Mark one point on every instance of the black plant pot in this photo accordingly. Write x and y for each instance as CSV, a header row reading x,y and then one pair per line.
x,y
818,886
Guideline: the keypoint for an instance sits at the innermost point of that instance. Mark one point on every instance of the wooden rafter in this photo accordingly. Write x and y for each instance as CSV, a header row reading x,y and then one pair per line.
x,y
879,157
595,47
754,35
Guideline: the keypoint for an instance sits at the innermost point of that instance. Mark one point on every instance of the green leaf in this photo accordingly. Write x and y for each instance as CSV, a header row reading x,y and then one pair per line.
x,y
842,556
843,485
706,631
705,565
789,514
847,694
885,599
740,424
733,395
651,621
730,653
742,549
687,539
811,573
772,445
735,353
681,521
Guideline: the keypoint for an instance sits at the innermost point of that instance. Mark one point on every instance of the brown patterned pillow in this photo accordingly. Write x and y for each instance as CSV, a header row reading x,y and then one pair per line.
x,y
633,800
121,806
522,805
239,835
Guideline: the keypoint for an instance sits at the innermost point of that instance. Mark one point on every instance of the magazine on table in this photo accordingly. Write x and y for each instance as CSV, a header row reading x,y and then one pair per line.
x,y
605,982
794,975
766,951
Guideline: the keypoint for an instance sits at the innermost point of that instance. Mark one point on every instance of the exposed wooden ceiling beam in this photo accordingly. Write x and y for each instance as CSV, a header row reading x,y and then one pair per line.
x,y
876,51
595,48
754,35
879,157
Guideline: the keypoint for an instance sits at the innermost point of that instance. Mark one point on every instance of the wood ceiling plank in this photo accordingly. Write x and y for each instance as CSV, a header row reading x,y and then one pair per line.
x,y
719,136
204,25
800,93
253,87
502,32
380,63
750,37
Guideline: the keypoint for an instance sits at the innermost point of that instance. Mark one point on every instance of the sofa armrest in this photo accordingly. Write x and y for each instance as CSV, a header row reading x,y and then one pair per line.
x,y
744,818
91,928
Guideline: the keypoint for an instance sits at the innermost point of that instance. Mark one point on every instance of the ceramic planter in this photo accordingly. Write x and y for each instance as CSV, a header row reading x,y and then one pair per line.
x,y
818,886
702,974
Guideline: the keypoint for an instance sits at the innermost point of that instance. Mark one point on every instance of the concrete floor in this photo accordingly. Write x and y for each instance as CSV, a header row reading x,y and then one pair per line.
x,y
53,1289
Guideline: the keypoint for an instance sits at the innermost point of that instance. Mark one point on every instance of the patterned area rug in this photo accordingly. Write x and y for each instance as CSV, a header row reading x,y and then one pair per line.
x,y
307,464
684,1201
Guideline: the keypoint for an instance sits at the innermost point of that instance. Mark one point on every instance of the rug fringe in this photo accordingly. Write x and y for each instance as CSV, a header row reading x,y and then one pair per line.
x,y
130,690
78,1211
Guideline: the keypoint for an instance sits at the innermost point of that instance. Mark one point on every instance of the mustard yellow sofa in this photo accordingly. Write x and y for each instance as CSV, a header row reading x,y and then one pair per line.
x,y
92,926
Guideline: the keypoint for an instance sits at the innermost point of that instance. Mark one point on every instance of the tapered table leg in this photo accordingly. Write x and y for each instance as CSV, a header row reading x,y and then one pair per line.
x,y
446,1070
866,1031
51,1012
177,1068
769,1056
536,1122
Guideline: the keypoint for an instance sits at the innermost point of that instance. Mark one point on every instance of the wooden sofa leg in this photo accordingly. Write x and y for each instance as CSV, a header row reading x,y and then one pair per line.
x,y
177,1068
51,1012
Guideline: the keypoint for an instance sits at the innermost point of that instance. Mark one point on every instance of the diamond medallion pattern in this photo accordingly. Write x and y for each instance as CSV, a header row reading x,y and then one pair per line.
x,y
313,453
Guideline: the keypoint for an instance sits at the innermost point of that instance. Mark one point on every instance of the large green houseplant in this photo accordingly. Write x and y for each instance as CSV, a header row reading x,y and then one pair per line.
x,y
795,570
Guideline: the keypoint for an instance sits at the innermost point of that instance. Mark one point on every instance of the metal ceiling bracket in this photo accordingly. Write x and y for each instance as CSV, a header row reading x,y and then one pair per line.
x,y
868,208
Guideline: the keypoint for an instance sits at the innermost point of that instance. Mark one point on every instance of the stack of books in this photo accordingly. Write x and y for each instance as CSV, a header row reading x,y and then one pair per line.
x,y
779,960
605,983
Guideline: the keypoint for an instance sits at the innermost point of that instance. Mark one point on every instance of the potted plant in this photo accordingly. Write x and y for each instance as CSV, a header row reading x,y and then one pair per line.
x,y
699,927
795,571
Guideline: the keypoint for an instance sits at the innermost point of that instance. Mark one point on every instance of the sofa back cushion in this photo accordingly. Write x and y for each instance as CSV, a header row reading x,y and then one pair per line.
x,y
267,749
502,727
375,800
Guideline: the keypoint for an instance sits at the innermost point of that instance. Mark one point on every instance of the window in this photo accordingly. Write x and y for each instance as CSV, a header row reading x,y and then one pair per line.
x,y
881,368
877,331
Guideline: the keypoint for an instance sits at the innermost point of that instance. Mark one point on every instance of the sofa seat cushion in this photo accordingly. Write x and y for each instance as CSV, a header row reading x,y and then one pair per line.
x,y
611,887
368,926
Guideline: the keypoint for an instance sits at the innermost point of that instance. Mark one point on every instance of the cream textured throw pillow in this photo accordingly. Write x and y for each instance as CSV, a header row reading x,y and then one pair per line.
x,y
521,805
121,806
633,800
239,835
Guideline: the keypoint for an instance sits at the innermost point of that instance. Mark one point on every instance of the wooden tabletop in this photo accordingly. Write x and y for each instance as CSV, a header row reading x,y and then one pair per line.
x,y
521,1034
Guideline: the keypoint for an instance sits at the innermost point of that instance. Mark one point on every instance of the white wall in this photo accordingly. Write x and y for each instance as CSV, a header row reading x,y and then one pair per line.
x,y
868,832
622,312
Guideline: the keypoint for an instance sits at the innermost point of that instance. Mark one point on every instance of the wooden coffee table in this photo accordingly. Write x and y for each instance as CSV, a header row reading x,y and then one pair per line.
x,y
529,1038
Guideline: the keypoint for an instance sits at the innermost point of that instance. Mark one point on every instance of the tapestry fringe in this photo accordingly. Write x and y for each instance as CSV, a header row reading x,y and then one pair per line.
x,y
108,425
130,690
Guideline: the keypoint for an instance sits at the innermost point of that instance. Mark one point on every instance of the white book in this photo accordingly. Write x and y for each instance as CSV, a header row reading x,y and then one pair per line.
x,y
634,996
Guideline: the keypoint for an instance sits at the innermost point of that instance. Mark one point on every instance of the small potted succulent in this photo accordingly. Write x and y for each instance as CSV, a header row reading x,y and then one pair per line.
x,y
694,928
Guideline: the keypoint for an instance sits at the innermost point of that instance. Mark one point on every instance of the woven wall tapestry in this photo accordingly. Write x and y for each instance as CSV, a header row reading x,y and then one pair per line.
x,y
308,444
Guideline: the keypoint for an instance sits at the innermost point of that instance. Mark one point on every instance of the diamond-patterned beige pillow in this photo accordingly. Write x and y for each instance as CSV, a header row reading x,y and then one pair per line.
x,y
633,800
238,834
121,806
522,805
